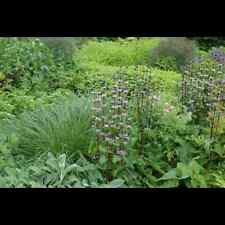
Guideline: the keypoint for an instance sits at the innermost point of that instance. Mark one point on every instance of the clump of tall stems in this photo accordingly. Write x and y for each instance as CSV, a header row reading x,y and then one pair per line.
x,y
218,108
144,100
202,93
113,106
111,120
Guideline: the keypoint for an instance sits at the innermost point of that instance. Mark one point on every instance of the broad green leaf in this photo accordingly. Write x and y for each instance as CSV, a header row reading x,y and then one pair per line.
x,y
220,150
116,183
73,167
170,184
62,161
170,175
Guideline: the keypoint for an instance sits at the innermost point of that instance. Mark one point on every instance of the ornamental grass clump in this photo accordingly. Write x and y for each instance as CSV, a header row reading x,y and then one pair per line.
x,y
57,128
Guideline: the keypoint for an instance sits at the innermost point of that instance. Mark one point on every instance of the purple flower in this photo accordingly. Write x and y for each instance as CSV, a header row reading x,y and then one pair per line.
x,y
218,54
221,82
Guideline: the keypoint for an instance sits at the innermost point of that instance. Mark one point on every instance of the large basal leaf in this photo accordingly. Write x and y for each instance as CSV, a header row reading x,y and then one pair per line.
x,y
170,175
118,183
220,150
170,184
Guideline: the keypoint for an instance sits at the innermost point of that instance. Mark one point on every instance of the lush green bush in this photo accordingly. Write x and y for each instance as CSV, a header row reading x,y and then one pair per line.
x,y
166,80
206,43
65,127
179,50
63,48
113,53
96,74
25,60
166,63
201,53
18,101
51,171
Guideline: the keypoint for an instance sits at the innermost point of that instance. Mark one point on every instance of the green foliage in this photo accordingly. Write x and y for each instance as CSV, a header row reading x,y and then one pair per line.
x,y
111,53
202,53
64,127
206,43
50,171
48,138
166,63
25,60
201,87
167,81
191,174
96,75
20,100
63,47
178,51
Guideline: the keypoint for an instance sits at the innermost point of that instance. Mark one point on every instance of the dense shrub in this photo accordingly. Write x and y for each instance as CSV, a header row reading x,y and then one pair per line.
x,y
167,82
25,60
97,74
113,53
18,101
166,63
63,48
51,171
180,50
206,43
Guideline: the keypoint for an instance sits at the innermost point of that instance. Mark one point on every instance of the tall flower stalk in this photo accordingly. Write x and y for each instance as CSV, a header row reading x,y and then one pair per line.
x,y
144,100
203,90
98,119
218,109
110,120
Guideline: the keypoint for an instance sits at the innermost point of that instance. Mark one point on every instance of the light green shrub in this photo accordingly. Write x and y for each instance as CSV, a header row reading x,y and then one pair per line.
x,y
168,80
96,74
202,53
25,58
166,63
113,53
